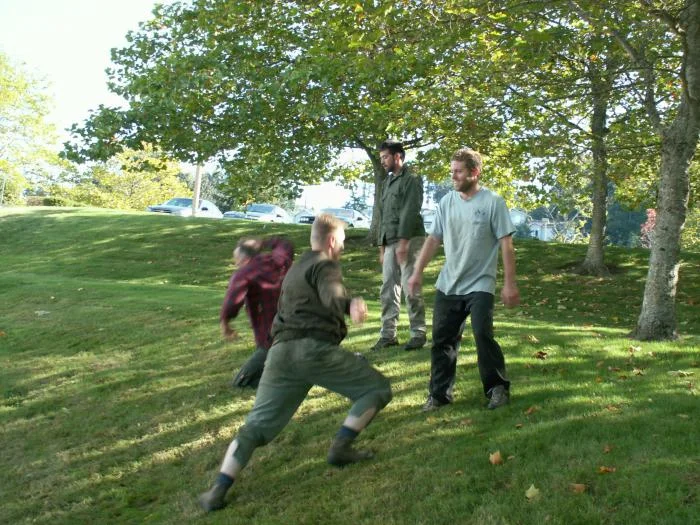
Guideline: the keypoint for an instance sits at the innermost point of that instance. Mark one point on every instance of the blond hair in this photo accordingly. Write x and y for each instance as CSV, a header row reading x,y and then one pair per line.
x,y
323,226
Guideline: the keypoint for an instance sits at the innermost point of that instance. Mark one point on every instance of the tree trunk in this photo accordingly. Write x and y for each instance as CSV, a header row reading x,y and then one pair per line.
x,y
657,320
379,175
593,263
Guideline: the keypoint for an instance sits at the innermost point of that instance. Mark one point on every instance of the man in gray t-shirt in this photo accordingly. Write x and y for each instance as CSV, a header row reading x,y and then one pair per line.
x,y
472,223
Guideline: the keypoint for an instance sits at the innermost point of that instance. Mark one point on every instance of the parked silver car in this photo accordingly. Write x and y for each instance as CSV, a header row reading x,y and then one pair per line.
x,y
267,213
353,218
182,207
233,214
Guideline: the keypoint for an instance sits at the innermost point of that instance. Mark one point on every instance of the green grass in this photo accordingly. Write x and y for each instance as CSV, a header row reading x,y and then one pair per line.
x,y
116,406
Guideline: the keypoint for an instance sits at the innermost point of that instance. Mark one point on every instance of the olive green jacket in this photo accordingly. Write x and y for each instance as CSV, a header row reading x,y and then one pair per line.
x,y
400,207
313,302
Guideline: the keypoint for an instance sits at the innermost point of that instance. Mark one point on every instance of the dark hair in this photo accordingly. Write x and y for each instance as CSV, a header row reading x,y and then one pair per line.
x,y
394,147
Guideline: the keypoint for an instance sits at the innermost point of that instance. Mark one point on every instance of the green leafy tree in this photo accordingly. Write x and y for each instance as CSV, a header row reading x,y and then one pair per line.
x,y
623,225
131,180
26,137
673,111
274,90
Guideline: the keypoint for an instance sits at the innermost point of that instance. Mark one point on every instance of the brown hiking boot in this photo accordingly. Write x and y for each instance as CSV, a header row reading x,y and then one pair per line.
x,y
213,499
415,343
384,342
342,453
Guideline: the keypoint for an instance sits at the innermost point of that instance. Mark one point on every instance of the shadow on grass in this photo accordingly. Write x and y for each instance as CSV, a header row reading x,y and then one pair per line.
x,y
129,424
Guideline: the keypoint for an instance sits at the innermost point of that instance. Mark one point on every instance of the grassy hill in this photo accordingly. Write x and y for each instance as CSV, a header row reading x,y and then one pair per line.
x,y
116,404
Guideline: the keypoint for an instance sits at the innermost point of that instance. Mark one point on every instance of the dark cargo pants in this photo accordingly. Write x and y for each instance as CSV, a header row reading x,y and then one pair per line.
x,y
291,369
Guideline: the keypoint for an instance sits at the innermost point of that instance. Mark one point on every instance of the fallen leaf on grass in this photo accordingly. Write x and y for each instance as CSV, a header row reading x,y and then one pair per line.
x,y
637,372
600,364
466,422
2,334
531,410
459,472
607,449
533,339
606,470
684,416
518,425
680,373
540,355
613,408
578,488
41,313
495,458
532,493
632,349
598,379
613,369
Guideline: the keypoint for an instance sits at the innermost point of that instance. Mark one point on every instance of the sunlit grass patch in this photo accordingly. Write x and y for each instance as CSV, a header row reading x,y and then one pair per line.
x,y
117,406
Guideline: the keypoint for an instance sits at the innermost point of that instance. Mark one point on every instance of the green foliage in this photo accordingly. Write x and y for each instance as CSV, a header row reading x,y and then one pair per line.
x,y
691,232
26,139
623,227
56,200
115,404
131,180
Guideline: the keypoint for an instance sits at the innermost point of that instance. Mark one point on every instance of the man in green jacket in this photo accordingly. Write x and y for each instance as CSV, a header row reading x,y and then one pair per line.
x,y
401,236
307,331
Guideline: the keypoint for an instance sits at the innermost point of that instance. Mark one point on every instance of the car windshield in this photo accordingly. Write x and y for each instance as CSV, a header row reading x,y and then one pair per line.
x,y
261,208
180,202
338,212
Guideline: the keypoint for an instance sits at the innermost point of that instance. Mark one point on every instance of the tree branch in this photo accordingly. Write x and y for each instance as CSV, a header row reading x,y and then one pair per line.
x,y
638,58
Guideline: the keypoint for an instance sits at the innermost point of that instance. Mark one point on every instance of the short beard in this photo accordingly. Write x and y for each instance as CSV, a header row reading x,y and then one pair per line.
x,y
466,186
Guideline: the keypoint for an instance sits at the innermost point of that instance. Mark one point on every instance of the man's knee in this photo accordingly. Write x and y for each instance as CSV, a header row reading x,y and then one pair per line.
x,y
383,394
250,437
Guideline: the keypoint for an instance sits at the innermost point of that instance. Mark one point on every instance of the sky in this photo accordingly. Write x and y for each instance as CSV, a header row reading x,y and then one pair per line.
x,y
67,43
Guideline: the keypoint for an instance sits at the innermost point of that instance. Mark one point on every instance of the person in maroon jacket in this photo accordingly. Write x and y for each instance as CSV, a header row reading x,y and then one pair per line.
x,y
261,267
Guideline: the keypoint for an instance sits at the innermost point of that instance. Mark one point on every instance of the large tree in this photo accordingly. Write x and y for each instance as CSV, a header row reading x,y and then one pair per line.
x,y
131,180
26,137
674,112
275,90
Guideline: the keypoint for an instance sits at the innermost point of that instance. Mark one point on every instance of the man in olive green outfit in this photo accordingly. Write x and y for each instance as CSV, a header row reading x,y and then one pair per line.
x,y
401,236
309,326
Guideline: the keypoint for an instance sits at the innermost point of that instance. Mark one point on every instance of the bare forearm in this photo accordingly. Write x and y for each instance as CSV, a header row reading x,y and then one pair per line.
x,y
430,247
508,256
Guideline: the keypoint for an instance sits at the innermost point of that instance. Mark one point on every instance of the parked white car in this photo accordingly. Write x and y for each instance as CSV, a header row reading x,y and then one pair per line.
x,y
353,218
267,213
428,216
182,207
233,214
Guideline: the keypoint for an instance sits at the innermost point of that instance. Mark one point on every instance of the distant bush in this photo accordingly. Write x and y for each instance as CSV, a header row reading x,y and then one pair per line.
x,y
34,200
58,201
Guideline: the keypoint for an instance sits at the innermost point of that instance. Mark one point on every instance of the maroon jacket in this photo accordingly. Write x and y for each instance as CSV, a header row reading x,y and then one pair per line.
x,y
258,285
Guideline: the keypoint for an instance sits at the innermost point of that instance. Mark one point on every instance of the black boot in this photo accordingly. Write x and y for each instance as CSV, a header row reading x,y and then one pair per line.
x,y
341,452
213,499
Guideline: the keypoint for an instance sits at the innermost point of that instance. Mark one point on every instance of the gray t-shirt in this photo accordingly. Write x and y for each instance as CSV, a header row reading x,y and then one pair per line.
x,y
470,231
